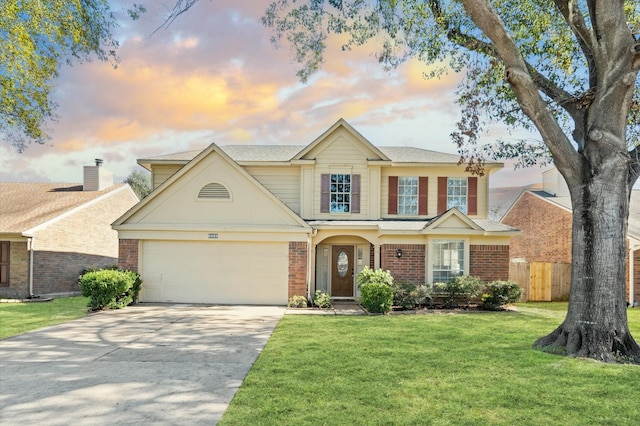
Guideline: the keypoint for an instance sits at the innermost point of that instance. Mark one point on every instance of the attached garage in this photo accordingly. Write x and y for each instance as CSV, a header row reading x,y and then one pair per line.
x,y
217,272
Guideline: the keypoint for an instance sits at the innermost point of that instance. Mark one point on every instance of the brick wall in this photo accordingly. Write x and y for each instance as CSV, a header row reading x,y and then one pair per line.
x,y
18,272
128,252
546,230
57,272
489,262
372,258
297,268
409,267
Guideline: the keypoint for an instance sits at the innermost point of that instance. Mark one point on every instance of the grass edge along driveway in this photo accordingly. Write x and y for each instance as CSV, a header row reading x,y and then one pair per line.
x,y
18,318
432,369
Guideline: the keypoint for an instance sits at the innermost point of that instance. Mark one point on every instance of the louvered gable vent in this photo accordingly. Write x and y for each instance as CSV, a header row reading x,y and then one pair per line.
x,y
214,191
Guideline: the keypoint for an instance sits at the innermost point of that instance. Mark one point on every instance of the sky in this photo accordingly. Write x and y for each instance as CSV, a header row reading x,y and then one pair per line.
x,y
214,76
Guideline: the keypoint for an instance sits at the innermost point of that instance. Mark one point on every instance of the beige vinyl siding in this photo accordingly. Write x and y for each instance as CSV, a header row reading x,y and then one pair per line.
x,y
283,182
162,172
432,173
342,156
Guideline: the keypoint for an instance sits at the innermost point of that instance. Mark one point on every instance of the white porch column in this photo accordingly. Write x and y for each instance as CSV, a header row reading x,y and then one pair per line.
x,y
376,256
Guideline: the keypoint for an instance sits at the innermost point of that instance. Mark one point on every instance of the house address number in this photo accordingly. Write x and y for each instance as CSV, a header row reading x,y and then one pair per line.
x,y
213,236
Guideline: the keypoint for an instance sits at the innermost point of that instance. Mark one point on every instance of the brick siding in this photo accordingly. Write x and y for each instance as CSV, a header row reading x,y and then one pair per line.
x,y
297,268
128,252
409,267
57,272
546,230
489,262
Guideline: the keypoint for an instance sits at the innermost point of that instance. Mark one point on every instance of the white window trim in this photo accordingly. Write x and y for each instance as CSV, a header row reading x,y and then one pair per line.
x,y
466,241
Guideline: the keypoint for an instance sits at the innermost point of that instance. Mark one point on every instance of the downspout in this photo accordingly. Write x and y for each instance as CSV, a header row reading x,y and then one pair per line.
x,y
30,242
309,260
632,278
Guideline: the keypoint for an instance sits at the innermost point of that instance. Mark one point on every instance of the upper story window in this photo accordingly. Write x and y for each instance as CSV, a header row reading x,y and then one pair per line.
x,y
457,194
214,191
340,193
408,195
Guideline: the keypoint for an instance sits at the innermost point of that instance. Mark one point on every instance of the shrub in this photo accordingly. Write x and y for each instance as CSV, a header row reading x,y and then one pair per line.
x,y
460,289
500,293
110,288
407,294
376,297
379,276
322,299
297,302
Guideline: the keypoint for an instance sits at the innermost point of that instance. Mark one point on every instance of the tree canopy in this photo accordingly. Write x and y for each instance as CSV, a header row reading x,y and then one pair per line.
x,y
36,38
557,41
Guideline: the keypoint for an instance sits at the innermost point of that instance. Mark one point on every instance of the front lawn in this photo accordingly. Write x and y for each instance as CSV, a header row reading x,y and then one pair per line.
x,y
16,318
438,369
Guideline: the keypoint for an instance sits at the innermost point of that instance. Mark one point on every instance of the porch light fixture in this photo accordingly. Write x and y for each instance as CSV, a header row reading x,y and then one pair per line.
x,y
399,253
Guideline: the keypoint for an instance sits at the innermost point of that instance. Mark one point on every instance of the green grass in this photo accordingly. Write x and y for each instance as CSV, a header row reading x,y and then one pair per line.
x,y
17,318
440,369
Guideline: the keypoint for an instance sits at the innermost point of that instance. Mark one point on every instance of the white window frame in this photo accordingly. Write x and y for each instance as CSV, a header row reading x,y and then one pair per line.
x,y
431,255
408,193
457,193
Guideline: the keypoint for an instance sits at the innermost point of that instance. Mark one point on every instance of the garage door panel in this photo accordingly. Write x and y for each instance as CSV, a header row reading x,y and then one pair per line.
x,y
215,272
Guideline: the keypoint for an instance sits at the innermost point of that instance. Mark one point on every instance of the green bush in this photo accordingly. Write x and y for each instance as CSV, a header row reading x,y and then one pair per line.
x,y
407,294
500,293
376,297
321,299
297,302
459,290
379,276
109,288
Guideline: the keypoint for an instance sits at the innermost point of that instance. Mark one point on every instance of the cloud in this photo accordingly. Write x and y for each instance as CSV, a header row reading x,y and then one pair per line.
x,y
213,75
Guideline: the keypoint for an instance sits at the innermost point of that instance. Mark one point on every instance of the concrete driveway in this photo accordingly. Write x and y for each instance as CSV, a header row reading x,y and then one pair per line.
x,y
146,364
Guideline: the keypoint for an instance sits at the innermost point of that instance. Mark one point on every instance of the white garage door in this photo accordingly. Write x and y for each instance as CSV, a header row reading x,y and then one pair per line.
x,y
215,272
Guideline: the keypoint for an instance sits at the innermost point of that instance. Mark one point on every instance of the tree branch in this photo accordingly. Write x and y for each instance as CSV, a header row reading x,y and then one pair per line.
x,y
518,76
572,14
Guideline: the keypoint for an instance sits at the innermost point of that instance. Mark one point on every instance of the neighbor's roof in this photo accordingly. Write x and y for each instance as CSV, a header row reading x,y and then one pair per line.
x,y
282,153
633,229
27,205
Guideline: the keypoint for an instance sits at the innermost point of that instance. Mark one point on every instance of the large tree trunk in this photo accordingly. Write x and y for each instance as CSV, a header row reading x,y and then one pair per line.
x,y
596,321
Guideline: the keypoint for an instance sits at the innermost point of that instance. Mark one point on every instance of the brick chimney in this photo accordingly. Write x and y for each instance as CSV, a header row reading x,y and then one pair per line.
x,y
97,178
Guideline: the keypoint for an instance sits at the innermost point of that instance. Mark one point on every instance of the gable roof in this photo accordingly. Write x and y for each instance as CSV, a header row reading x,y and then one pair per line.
x,y
29,205
287,153
633,229
213,148
338,124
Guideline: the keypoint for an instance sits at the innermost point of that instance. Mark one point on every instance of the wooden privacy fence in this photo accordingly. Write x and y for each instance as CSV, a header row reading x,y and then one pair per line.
x,y
542,281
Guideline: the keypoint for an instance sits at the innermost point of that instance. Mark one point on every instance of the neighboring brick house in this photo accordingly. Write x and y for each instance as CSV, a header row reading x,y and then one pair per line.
x,y
258,224
545,217
50,232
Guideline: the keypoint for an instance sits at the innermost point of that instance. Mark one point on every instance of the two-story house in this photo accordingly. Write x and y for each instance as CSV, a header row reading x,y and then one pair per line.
x,y
257,224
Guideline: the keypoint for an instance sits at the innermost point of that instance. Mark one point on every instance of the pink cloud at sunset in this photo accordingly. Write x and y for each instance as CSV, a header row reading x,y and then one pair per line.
x,y
213,76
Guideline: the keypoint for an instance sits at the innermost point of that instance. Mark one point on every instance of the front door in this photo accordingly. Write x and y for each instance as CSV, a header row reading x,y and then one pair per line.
x,y
342,271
